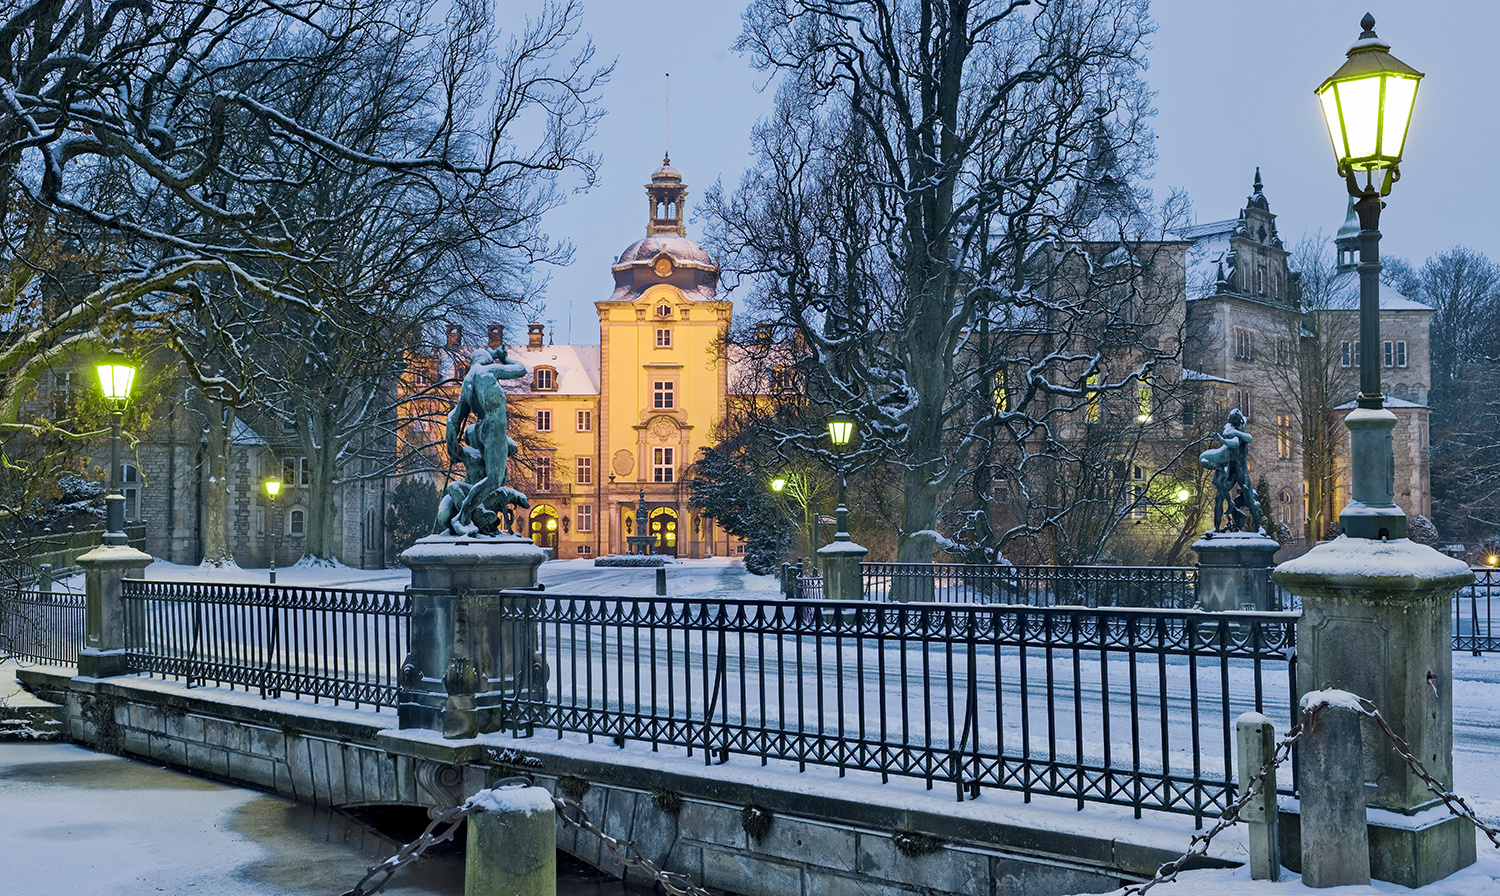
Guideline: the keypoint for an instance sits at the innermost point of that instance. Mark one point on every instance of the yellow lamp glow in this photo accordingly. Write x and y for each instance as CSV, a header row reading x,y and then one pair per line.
x,y
116,374
1183,494
1367,105
551,525
1493,560
840,429
778,484
273,487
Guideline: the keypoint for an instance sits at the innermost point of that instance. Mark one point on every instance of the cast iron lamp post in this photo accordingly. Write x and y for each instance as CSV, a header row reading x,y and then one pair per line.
x,y
840,431
273,488
116,374
1367,104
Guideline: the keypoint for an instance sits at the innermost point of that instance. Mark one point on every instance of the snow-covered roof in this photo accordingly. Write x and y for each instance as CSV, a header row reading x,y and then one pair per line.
x,y
241,433
1198,376
1198,231
577,367
1344,295
1204,257
1390,401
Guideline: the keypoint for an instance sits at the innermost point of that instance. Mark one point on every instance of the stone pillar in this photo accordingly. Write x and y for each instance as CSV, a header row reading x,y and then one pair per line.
x,y
1256,737
1232,570
105,648
1375,622
1335,844
841,570
466,660
512,844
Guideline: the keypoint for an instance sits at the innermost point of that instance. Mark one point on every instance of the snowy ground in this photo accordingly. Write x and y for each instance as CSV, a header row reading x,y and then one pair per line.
x,y
1476,709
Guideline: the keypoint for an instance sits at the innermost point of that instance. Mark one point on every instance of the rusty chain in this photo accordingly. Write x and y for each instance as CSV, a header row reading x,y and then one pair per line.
x,y
573,815
1168,871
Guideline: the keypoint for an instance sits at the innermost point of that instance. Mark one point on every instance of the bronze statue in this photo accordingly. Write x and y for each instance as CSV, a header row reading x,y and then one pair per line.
x,y
473,506
1228,461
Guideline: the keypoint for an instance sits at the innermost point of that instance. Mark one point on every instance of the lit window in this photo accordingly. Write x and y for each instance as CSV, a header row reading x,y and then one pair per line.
x,y
662,467
585,421
1002,394
545,379
1091,390
663,394
1143,401
1284,436
543,421
663,337
584,471
544,474
585,514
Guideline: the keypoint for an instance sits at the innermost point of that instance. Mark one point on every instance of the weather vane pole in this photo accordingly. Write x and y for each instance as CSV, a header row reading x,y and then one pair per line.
x,y
666,128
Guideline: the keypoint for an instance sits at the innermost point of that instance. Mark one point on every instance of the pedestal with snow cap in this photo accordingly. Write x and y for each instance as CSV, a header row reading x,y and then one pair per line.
x,y
1232,570
841,560
105,650
473,655
1376,622
512,843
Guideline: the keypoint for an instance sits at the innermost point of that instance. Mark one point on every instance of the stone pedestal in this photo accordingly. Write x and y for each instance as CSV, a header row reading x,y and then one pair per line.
x,y
472,653
841,573
1232,570
1376,622
104,651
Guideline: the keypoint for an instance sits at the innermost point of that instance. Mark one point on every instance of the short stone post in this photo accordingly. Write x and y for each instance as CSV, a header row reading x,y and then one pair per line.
x,y
1331,782
661,581
44,578
841,570
512,844
105,651
1256,736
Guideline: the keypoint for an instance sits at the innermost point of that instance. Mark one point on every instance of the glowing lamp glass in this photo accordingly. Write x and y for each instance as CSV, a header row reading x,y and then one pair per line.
x,y
1367,105
273,487
552,525
840,430
778,484
1183,494
116,375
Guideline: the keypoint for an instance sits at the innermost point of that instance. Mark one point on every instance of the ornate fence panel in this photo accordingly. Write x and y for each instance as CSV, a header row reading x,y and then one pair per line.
x,y
1474,613
324,643
1126,706
41,626
1164,587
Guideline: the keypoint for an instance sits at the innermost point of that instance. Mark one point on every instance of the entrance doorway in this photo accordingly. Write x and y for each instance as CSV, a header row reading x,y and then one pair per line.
x,y
544,526
663,523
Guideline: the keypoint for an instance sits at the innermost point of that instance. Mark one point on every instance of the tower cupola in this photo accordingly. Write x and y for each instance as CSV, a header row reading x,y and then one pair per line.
x,y
666,192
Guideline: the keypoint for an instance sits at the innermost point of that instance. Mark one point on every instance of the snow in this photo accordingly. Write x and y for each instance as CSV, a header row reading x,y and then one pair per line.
x,y
1330,697
1346,557
526,800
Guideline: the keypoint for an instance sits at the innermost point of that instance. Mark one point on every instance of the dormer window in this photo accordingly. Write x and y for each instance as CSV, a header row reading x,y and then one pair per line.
x,y
544,379
663,310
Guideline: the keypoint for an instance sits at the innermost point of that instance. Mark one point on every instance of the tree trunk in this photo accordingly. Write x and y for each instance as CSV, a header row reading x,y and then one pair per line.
x,y
319,547
220,423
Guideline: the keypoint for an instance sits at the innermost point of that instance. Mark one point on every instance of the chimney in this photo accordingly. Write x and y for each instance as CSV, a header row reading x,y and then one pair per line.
x,y
455,335
534,335
497,335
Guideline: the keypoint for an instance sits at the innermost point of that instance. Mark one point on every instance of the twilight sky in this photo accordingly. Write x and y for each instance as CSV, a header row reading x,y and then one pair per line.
x,y
1234,86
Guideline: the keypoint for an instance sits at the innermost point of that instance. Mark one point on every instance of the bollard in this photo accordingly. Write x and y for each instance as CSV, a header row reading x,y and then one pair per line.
x,y
1330,772
661,581
1256,736
512,844
44,578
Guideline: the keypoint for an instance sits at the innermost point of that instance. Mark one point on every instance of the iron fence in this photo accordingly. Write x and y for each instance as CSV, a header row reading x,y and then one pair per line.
x,y
41,626
1474,613
324,643
1163,587
1125,706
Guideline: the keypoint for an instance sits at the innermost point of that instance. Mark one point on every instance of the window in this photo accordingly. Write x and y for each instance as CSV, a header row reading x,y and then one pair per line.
x,y
543,421
663,396
663,337
130,479
295,472
585,549
1143,401
297,523
1244,345
62,388
544,474
663,310
544,379
1260,279
585,514
1242,401
1286,508
584,471
1395,354
1002,395
1137,492
1283,350
1348,354
662,467
1091,393
1284,436
585,421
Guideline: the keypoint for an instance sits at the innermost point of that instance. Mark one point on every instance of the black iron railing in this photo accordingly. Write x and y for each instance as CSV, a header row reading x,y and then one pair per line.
x,y
41,626
325,643
1164,587
1474,613
1132,707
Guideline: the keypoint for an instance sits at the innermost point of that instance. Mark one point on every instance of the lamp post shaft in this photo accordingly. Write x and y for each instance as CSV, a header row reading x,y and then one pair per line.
x,y
1368,208
114,502
842,513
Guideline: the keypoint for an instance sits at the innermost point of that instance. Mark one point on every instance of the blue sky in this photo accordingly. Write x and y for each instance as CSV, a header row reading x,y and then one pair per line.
x,y
1234,86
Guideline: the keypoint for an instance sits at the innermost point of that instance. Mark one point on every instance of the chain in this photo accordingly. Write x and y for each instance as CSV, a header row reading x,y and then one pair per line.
x,y
1168,871
572,814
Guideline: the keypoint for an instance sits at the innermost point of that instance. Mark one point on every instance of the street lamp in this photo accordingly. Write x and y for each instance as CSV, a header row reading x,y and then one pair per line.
x,y
840,431
273,488
1367,104
778,483
116,374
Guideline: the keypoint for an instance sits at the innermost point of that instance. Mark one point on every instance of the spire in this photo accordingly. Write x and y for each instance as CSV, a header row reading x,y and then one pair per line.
x,y
668,215
1346,243
1104,200
1258,197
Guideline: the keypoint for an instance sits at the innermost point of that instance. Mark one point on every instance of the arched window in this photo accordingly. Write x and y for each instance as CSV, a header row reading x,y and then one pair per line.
x,y
297,523
1285,507
130,487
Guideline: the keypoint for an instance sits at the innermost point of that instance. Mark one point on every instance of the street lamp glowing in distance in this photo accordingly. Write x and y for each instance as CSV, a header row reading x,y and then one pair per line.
x,y
778,483
840,430
1367,105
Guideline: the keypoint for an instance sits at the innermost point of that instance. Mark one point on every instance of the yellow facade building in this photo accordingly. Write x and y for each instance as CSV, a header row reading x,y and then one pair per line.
x,y
602,425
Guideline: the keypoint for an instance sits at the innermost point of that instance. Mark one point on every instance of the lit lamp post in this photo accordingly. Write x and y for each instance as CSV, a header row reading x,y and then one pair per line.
x,y
1375,605
840,431
273,488
1367,104
116,374
840,559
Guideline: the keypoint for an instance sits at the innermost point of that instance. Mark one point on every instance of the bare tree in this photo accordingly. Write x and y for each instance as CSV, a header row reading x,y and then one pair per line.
x,y
919,153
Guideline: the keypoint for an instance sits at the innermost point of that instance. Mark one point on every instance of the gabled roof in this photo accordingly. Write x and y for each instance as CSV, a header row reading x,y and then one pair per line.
x,y
1198,376
577,368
